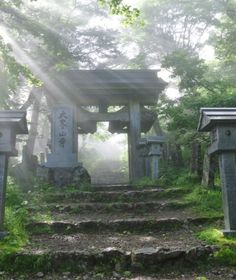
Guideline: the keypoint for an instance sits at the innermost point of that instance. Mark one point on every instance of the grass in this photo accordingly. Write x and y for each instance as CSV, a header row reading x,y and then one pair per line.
x,y
206,202
215,237
16,214
226,255
144,182
226,252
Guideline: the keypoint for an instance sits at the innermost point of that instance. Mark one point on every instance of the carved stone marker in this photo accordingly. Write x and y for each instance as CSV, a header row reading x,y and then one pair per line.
x,y
64,145
221,122
62,167
11,124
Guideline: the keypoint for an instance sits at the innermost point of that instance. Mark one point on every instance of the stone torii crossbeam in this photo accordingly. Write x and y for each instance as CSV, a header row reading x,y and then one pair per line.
x,y
131,89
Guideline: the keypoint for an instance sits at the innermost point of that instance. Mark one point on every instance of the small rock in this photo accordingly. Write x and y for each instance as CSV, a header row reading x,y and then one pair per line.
x,y
118,266
2,273
115,274
67,273
40,275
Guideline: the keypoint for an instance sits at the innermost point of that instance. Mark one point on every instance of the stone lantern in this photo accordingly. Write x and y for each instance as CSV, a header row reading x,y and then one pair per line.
x,y
221,122
11,124
154,144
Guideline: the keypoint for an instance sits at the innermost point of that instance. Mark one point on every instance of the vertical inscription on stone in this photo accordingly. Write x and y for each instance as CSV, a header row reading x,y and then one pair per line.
x,y
63,129
64,137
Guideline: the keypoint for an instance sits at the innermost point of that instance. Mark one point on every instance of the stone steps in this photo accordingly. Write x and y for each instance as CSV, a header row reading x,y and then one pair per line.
x,y
135,207
182,214
116,187
124,225
116,196
114,253
117,230
184,238
112,259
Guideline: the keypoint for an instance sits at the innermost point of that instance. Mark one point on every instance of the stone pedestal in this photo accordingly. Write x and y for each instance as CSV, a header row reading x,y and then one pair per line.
x,y
66,176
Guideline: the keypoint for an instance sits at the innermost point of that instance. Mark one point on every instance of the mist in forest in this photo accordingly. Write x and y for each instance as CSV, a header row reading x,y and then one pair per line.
x,y
40,39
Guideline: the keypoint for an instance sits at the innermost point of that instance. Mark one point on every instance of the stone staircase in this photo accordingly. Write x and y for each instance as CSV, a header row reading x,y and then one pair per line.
x,y
117,232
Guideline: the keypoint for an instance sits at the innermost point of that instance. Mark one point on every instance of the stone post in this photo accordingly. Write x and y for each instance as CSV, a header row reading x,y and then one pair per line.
x,y
135,162
142,149
11,123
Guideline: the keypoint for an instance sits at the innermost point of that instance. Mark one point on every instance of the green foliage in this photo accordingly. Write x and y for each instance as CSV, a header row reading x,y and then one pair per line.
x,y
145,182
86,188
15,218
117,7
127,273
207,202
226,256
11,72
186,65
215,236
171,176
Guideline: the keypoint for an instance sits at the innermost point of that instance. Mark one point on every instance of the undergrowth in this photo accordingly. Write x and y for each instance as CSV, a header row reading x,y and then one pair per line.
x,y
226,254
145,182
206,202
16,215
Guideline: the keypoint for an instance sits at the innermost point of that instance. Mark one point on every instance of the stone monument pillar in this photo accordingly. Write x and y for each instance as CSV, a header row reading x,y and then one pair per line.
x,y
222,124
11,124
64,137
62,167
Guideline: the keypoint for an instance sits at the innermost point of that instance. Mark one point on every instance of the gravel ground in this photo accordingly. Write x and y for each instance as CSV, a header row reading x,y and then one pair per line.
x,y
212,274
184,239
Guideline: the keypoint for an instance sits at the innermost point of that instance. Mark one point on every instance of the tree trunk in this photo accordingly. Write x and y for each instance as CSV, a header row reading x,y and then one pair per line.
x,y
209,168
195,165
28,157
179,157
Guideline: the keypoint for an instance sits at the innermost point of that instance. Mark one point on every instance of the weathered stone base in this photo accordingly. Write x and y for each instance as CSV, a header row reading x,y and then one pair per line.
x,y
62,177
229,233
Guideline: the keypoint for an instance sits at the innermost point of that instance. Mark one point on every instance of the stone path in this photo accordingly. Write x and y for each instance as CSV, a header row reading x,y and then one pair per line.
x,y
118,232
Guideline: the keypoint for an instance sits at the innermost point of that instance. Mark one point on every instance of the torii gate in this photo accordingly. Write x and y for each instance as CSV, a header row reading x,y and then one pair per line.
x,y
73,89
